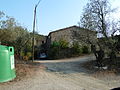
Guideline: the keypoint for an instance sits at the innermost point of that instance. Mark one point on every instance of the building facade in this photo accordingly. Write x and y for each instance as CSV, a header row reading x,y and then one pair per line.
x,y
72,34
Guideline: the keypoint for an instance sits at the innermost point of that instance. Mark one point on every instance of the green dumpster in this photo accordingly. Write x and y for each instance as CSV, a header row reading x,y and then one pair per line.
x,y
7,67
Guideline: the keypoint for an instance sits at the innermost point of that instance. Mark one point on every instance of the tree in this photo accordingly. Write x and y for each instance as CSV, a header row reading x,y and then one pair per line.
x,y
96,17
13,34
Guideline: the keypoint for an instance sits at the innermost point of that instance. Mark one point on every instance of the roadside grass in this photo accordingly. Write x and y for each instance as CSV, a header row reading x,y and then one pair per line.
x,y
24,70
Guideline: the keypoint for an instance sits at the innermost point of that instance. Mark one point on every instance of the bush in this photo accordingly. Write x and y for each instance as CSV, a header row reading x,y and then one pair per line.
x,y
85,49
76,48
63,44
25,58
55,44
53,52
61,50
29,55
26,55
58,50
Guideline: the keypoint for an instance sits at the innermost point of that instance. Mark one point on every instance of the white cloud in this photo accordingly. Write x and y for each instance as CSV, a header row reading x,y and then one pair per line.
x,y
115,4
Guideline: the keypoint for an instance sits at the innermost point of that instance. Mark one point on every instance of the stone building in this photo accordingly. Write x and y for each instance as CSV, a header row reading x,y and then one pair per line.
x,y
39,39
72,34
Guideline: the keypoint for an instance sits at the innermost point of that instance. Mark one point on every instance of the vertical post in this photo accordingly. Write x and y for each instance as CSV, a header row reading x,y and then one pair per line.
x,y
33,41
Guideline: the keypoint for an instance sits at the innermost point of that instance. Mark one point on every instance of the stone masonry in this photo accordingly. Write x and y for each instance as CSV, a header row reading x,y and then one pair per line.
x,y
72,34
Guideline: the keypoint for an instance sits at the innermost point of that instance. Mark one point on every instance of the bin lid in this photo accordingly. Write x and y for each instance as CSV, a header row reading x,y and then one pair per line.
x,y
2,47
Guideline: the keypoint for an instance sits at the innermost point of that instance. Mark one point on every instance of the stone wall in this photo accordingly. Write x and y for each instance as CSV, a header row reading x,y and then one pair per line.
x,y
39,39
84,36
72,34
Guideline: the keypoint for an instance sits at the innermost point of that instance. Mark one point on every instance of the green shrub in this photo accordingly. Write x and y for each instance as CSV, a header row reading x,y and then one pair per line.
x,y
55,44
85,49
22,54
76,48
58,49
53,52
63,43
29,55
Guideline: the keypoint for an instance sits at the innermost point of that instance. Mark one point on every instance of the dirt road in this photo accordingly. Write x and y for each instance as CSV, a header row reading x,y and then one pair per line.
x,y
64,74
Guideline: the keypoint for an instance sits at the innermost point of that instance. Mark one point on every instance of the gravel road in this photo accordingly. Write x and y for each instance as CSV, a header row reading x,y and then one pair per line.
x,y
64,74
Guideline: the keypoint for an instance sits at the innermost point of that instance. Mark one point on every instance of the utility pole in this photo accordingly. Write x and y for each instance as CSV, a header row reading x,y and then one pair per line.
x,y
33,40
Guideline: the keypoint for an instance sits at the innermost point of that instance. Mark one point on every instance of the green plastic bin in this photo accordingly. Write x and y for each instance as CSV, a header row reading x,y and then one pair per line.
x,y
7,66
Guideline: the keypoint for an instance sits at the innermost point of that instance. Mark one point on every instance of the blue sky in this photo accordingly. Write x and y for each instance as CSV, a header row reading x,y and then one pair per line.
x,y
51,14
